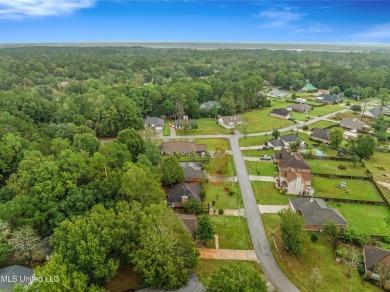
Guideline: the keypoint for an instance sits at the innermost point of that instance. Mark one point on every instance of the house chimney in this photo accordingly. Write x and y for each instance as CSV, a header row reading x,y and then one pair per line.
x,y
184,199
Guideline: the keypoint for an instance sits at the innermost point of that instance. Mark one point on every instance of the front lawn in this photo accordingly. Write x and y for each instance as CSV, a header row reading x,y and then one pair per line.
x,y
166,131
319,254
233,232
207,268
262,168
267,194
209,170
321,124
324,110
254,140
331,167
212,144
356,189
364,218
206,126
258,152
216,192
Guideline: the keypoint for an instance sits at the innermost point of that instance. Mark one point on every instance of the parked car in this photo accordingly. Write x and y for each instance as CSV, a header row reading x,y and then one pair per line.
x,y
265,157
291,119
340,154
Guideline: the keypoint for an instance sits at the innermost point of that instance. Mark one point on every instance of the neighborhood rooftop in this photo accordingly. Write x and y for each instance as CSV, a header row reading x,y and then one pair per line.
x,y
353,123
373,255
281,112
182,146
321,134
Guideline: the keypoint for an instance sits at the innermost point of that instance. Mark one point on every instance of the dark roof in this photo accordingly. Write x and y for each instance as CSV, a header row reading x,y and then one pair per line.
x,y
320,134
289,138
291,159
20,273
329,97
300,107
352,123
210,104
280,112
191,190
154,121
182,146
180,122
276,143
375,111
316,212
374,255
190,172
189,222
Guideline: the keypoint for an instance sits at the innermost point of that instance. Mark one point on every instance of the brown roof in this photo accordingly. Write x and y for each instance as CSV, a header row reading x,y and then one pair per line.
x,y
322,134
374,255
182,146
189,222
291,159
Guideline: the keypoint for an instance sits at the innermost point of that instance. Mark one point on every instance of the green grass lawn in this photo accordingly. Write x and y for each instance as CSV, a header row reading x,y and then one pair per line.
x,y
364,218
261,168
257,152
260,121
207,268
254,141
356,189
330,167
206,126
379,165
208,166
267,194
319,254
324,110
301,116
212,144
321,124
233,232
216,192
166,131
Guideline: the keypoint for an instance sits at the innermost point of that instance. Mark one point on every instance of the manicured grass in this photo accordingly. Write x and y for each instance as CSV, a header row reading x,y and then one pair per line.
x,y
166,131
207,268
230,172
216,192
330,167
379,165
356,189
206,126
254,141
319,254
192,158
341,116
233,232
212,144
301,116
324,110
321,124
364,218
261,168
257,153
267,194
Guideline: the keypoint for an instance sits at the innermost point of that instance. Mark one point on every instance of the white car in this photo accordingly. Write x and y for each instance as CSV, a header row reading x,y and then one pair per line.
x,y
265,157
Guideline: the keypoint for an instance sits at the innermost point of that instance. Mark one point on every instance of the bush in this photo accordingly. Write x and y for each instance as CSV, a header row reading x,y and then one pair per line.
x,y
220,211
305,128
313,237
342,167
213,202
231,192
386,239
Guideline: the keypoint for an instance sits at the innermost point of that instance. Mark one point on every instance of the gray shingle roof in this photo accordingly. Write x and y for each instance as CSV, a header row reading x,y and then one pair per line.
x,y
231,120
319,133
154,121
280,112
210,104
316,212
373,255
22,275
191,173
276,143
289,138
300,107
291,159
351,123
192,190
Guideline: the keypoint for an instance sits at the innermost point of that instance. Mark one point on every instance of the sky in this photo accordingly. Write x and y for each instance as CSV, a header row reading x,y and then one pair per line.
x,y
37,21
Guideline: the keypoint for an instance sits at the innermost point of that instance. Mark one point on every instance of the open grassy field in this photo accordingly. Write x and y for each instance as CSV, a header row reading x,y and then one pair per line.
x,y
207,268
356,189
216,192
254,141
324,110
212,144
258,152
261,168
330,166
341,116
364,218
267,194
166,131
206,126
233,232
302,117
321,124
319,254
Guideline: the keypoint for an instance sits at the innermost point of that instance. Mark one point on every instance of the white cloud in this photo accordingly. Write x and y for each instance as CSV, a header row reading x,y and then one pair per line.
x,y
16,9
280,18
315,27
378,33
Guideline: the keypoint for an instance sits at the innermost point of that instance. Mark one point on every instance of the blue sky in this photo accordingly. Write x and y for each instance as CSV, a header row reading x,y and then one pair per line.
x,y
191,20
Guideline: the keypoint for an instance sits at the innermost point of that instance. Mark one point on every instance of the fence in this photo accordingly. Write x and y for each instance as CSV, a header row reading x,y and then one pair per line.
x,y
327,175
327,158
351,201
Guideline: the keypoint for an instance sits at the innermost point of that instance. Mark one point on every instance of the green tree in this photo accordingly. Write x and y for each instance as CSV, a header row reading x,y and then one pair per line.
x,y
171,171
383,271
204,230
193,206
291,228
133,141
294,146
87,142
353,260
356,108
355,159
364,145
152,152
336,137
220,161
237,277
166,253
115,154
275,134
330,229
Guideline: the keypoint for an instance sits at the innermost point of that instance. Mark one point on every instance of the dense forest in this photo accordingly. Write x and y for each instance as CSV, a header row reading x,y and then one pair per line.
x,y
56,177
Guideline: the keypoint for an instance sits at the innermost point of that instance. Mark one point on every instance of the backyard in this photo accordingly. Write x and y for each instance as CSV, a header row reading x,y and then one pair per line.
x,y
331,167
263,168
209,168
215,191
206,126
233,233
257,152
355,189
267,194
321,124
319,254
212,144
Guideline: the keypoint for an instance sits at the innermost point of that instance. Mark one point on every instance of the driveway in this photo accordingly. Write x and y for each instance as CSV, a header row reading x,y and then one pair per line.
x,y
262,178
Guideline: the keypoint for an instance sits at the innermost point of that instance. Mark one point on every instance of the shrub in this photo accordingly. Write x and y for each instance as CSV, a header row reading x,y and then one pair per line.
x,y
231,192
305,128
213,202
342,167
220,211
313,237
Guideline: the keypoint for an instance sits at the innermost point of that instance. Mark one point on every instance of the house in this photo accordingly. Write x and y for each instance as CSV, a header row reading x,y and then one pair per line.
x,y
154,122
230,122
321,135
280,113
316,213
182,193
283,141
277,93
301,108
189,222
294,173
182,148
209,105
354,124
350,135
193,171
329,98
377,111
185,123
13,275
309,88
372,256
301,100
323,91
